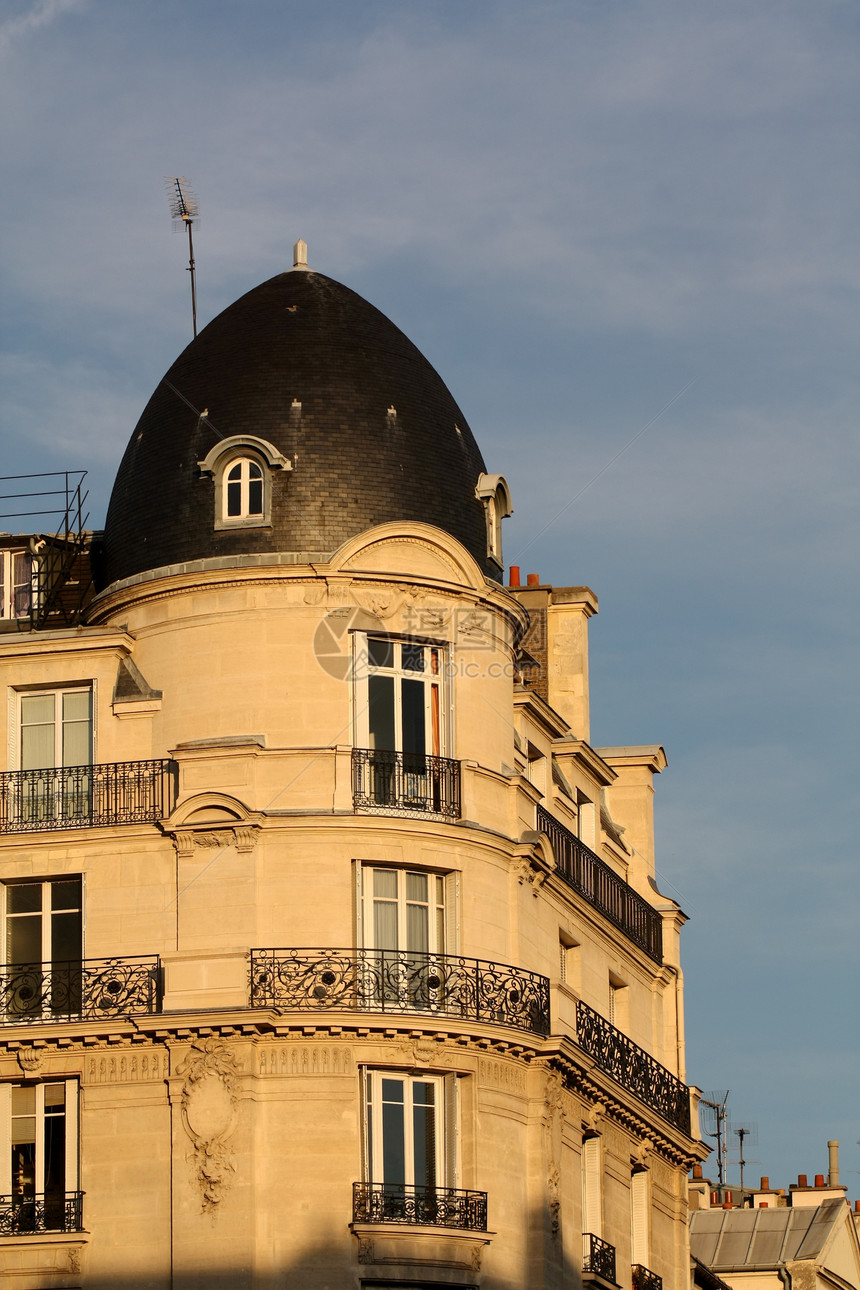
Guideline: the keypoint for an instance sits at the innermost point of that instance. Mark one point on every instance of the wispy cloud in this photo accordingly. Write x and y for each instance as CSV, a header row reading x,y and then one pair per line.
x,y
39,15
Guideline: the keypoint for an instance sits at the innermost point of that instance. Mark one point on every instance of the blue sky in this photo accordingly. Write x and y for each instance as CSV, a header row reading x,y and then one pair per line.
x,y
576,210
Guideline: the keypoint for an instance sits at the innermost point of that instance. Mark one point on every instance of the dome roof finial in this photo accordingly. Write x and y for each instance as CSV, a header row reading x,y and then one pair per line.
x,y
300,255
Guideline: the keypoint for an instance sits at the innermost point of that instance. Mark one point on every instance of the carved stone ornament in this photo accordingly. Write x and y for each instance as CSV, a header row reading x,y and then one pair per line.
x,y
241,836
365,1250
30,1060
477,1256
553,1183
73,1262
528,870
210,1104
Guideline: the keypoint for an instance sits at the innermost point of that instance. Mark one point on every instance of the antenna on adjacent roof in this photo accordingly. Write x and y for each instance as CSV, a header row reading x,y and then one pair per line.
x,y
183,206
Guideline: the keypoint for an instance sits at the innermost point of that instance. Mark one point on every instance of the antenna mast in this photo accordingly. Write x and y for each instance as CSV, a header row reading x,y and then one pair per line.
x,y
183,206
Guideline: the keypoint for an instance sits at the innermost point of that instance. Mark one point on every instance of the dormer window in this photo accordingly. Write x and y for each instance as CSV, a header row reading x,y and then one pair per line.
x,y
493,491
243,492
242,468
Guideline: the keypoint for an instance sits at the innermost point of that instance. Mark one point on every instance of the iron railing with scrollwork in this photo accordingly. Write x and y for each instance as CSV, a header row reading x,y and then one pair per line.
x,y
45,1212
406,784
604,889
645,1279
431,1206
598,1256
401,981
83,990
74,797
632,1067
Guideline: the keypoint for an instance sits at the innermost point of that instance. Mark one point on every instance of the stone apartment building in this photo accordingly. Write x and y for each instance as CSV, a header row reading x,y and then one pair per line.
x,y
333,952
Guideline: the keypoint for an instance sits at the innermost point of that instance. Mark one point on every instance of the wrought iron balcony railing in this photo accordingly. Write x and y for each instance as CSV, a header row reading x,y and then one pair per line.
x,y
588,875
398,981
632,1067
431,1206
74,797
645,1279
79,991
406,784
46,1212
598,1257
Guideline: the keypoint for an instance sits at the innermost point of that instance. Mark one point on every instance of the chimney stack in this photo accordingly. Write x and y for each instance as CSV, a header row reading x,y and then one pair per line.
x,y
833,1166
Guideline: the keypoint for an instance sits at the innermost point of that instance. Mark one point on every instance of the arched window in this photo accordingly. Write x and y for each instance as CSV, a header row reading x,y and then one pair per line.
x,y
242,469
242,492
493,491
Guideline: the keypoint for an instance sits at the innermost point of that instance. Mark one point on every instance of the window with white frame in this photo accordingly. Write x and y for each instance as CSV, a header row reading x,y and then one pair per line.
x,y
43,947
399,704
15,583
242,467
410,1132
39,1158
403,921
495,494
56,727
243,490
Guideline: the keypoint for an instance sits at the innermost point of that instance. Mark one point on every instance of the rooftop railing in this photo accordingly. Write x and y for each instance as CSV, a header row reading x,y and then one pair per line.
x,y
428,1206
602,887
74,797
398,981
633,1068
405,784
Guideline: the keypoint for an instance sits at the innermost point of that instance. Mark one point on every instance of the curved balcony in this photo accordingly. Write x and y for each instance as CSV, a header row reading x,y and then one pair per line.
x,y
645,1279
77,797
405,784
396,981
426,1206
80,991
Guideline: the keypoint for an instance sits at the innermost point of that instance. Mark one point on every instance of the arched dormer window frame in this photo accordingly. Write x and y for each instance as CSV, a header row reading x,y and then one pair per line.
x,y
243,456
494,492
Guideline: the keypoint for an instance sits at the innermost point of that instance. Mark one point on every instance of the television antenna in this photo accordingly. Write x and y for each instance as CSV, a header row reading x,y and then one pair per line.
x,y
714,1118
742,1131
184,208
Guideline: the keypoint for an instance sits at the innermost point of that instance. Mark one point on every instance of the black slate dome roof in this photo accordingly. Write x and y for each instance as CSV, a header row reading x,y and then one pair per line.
x,y
299,338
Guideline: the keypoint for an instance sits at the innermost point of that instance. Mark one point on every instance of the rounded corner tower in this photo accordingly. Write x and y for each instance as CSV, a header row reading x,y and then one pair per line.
x,y
300,417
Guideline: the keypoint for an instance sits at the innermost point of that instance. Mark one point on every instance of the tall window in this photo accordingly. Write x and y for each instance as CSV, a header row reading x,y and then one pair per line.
x,y
403,916
400,719
409,1132
42,977
15,572
39,1164
56,748
404,910
243,490
399,706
